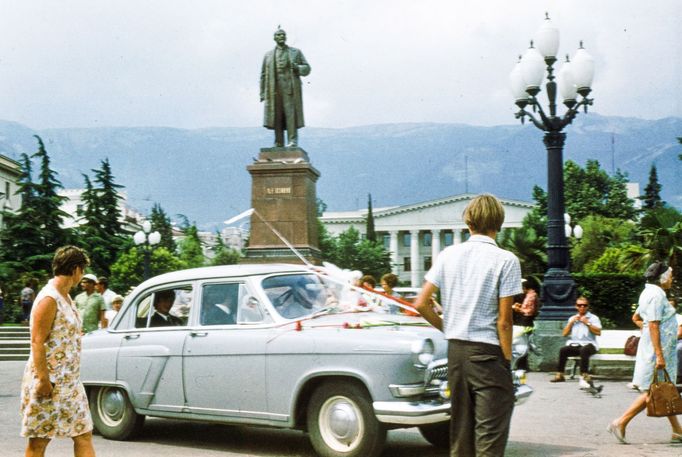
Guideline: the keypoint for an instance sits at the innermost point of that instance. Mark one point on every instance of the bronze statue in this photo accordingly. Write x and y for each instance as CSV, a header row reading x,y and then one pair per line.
x,y
280,89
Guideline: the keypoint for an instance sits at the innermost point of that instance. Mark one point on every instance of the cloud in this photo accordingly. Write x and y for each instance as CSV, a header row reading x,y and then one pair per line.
x,y
196,64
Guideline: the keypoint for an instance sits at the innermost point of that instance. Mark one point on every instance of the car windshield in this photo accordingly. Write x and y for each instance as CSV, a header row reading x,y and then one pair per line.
x,y
300,295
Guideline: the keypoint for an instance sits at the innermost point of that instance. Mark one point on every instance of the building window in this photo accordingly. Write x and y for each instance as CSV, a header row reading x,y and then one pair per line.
x,y
467,234
407,264
7,193
427,262
387,241
428,239
407,239
448,238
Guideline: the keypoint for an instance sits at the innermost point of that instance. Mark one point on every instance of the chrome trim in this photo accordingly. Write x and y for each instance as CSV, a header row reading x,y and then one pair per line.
x,y
406,390
411,413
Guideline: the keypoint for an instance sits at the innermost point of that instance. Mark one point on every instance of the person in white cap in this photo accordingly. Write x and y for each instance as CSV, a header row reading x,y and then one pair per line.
x,y
90,304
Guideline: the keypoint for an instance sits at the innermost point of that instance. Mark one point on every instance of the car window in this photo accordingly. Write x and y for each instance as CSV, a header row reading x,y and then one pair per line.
x,y
219,304
250,309
295,296
168,307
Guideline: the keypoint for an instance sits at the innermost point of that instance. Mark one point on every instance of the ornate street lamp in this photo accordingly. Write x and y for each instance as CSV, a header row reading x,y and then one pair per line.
x,y
575,78
146,241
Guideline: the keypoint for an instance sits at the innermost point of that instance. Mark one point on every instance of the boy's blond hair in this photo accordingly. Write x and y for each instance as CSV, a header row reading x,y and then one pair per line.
x,y
484,214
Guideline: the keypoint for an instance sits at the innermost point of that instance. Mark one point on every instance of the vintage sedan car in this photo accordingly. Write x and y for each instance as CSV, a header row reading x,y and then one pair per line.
x,y
269,345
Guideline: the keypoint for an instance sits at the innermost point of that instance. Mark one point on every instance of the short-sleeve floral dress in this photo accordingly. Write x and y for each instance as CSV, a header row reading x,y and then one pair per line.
x,y
66,412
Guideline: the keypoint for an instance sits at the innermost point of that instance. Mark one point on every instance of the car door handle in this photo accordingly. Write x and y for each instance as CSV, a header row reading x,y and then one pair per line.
x,y
198,333
132,337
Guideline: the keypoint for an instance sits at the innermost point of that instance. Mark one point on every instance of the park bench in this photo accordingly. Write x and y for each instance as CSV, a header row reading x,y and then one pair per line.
x,y
610,360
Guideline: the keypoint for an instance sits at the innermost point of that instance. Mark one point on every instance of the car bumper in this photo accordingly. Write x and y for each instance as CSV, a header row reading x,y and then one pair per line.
x,y
412,413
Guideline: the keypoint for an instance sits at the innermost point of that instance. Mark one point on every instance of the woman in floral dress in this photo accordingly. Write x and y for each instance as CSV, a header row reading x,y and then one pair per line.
x,y
657,346
53,400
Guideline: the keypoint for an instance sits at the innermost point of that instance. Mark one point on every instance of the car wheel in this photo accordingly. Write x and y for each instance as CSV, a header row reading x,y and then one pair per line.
x,y
113,414
437,434
341,422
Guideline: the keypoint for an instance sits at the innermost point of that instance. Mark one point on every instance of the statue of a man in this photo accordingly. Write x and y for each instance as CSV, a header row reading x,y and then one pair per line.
x,y
280,89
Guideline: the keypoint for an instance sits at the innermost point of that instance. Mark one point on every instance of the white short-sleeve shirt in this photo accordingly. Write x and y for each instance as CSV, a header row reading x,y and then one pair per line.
x,y
472,277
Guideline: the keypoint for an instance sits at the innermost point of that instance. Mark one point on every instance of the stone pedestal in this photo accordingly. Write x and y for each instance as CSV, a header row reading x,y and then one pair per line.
x,y
283,194
547,338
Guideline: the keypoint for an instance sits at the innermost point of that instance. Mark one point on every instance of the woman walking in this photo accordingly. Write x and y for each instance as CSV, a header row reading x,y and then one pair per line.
x,y
656,347
53,400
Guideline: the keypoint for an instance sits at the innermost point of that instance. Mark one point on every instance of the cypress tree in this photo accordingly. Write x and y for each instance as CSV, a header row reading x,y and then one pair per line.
x,y
652,192
162,224
371,232
47,204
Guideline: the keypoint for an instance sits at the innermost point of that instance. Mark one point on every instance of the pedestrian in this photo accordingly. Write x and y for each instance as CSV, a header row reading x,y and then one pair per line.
x,y
102,287
583,328
28,294
53,400
525,312
656,350
90,305
477,281
115,308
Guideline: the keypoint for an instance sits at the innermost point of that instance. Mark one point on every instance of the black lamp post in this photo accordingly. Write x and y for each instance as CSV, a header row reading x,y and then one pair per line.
x,y
575,78
146,241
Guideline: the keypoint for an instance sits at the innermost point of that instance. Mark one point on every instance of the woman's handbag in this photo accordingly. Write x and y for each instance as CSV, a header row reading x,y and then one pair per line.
x,y
663,399
631,345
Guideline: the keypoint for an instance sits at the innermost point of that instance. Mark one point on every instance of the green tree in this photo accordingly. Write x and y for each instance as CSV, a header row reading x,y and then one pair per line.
x,y
191,252
224,255
128,270
355,254
20,238
528,246
652,192
47,204
599,233
162,224
101,231
591,191
371,233
109,198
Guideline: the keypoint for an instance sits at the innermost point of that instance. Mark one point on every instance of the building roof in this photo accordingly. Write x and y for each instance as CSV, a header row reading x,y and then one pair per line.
x,y
341,217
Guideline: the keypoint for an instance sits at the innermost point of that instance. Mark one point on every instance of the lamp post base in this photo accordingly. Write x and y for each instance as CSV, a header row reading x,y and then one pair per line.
x,y
548,339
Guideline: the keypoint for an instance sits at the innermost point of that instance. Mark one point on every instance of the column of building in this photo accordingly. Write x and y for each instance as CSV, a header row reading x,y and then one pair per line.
x,y
415,264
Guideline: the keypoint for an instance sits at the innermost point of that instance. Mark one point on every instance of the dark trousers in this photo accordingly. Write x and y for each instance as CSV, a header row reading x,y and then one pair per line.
x,y
285,116
585,352
482,399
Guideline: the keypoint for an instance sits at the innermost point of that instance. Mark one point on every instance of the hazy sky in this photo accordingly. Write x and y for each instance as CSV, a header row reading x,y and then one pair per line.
x,y
192,64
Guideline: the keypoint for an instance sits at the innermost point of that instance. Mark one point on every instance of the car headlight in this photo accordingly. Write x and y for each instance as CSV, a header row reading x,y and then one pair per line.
x,y
422,352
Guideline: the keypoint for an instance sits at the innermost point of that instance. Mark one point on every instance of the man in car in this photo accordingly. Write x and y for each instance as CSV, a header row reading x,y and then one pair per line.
x,y
477,281
163,302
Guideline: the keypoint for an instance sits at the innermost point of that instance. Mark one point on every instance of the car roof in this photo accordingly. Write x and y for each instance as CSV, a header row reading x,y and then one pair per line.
x,y
220,271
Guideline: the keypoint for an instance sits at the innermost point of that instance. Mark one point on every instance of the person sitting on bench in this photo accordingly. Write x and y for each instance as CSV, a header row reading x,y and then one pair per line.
x,y
583,328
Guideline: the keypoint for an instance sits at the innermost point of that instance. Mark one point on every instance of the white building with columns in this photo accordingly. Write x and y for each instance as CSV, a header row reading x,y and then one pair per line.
x,y
414,234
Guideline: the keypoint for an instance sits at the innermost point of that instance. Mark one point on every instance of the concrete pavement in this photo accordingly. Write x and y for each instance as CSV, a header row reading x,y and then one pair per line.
x,y
558,420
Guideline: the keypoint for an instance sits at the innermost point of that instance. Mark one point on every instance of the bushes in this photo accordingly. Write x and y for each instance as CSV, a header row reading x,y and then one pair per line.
x,y
611,296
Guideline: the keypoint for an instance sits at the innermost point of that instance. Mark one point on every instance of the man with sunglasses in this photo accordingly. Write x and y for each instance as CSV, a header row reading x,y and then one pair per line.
x,y
583,329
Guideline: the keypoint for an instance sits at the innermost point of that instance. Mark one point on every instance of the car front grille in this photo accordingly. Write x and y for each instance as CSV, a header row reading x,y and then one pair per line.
x,y
437,370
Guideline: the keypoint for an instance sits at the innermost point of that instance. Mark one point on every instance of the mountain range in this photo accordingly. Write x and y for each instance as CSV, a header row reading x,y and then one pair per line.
x,y
202,175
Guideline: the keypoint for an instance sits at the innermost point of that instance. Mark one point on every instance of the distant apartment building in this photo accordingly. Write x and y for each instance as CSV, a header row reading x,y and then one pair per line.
x,y
10,171
73,205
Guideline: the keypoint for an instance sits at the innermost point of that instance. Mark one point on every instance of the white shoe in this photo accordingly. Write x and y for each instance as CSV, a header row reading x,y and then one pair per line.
x,y
583,384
